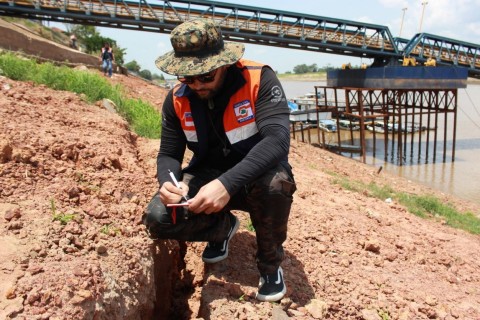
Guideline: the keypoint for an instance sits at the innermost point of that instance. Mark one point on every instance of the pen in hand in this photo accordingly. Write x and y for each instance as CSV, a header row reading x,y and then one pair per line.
x,y
175,182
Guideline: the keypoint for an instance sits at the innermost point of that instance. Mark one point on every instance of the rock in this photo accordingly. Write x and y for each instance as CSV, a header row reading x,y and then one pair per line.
x,y
109,105
372,246
317,309
35,269
15,225
81,296
13,213
5,150
431,301
234,290
368,314
101,249
13,308
10,293
279,314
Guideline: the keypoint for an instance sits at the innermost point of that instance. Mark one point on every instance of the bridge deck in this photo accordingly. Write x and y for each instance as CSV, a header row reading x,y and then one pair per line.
x,y
254,25
400,78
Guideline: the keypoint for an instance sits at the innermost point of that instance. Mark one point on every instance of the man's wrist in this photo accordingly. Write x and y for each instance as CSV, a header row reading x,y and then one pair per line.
x,y
226,185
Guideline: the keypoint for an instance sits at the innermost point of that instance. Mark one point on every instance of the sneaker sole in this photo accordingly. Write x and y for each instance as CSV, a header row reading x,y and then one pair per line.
x,y
220,258
272,297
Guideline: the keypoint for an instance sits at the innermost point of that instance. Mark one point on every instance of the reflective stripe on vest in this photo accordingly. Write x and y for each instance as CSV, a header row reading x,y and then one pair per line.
x,y
187,124
239,116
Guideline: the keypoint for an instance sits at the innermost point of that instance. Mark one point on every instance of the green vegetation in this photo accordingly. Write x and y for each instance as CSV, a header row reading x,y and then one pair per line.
x,y
109,229
38,28
385,315
79,177
142,117
94,41
303,68
250,226
64,218
310,76
425,206
134,67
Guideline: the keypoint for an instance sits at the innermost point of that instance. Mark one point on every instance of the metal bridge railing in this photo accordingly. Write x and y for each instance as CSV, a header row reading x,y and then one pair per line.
x,y
248,24
445,51
253,25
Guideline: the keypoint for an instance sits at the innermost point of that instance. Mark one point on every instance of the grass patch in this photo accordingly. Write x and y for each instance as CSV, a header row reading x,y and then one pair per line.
x,y
384,315
80,178
142,117
64,218
250,226
424,206
109,229
310,76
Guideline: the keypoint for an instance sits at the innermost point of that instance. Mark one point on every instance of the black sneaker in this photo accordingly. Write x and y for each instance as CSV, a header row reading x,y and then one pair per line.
x,y
272,287
218,251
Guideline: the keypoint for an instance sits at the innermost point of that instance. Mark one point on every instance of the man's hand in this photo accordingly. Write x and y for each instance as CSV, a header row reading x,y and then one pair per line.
x,y
169,193
212,197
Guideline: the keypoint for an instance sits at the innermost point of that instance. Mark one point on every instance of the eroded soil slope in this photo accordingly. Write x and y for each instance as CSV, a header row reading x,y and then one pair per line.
x,y
71,195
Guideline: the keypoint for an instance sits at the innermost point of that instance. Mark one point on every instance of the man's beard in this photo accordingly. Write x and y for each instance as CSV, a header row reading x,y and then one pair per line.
x,y
210,93
206,94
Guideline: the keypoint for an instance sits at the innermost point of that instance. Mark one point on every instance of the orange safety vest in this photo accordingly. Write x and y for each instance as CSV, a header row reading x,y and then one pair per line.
x,y
239,115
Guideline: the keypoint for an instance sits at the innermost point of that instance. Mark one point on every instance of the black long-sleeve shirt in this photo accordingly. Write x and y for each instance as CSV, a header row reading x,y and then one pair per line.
x,y
272,119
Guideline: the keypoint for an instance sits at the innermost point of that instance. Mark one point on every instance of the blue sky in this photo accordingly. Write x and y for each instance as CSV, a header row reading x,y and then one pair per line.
x,y
457,19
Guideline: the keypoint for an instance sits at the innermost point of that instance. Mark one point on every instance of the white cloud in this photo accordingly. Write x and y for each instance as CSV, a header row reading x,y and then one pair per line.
x,y
453,19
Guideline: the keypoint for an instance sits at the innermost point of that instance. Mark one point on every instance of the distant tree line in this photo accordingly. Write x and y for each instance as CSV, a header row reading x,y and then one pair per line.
x,y
93,41
303,68
134,67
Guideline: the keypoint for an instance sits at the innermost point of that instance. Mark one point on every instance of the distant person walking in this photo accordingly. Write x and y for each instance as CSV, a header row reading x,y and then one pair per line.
x,y
107,59
73,41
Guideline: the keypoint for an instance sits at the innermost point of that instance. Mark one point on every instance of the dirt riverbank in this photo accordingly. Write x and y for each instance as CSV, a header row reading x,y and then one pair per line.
x,y
74,181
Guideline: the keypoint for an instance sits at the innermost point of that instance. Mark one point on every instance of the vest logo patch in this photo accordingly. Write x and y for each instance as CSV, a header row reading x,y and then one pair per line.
x,y
277,94
187,116
243,111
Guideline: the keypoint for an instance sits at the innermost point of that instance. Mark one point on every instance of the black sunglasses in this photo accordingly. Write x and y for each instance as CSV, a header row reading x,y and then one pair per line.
x,y
204,78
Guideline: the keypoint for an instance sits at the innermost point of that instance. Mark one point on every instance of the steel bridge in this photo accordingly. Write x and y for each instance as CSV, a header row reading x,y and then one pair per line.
x,y
257,26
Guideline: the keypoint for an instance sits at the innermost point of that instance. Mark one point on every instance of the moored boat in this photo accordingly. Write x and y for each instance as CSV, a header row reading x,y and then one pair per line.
x,y
308,101
377,126
348,125
304,109
381,126
327,125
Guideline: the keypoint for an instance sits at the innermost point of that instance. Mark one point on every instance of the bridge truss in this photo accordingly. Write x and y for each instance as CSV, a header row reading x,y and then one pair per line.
x,y
254,25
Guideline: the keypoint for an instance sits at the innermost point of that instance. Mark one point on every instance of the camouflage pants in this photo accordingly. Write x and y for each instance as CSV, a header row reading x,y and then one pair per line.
x,y
268,200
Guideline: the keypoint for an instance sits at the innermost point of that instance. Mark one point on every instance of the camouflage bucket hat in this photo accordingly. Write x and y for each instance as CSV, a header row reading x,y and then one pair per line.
x,y
198,48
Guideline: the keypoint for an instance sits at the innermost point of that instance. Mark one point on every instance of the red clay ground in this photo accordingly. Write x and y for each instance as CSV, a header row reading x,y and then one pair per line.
x,y
349,256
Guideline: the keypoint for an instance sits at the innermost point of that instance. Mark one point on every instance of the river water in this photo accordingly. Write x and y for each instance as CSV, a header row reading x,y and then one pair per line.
x,y
460,177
